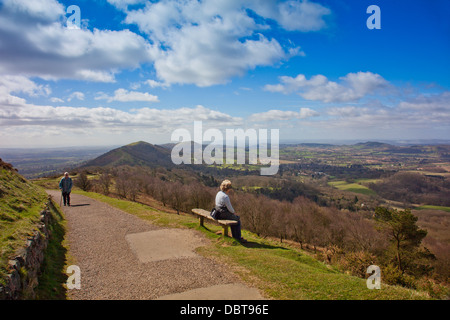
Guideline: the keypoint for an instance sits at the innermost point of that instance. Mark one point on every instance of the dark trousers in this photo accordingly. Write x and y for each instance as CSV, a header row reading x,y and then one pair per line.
x,y
235,229
66,198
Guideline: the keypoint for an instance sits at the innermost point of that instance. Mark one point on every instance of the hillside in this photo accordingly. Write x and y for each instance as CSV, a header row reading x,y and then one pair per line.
x,y
20,205
281,270
135,154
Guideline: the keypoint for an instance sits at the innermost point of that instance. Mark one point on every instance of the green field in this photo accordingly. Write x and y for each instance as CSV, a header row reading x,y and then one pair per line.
x,y
352,187
424,207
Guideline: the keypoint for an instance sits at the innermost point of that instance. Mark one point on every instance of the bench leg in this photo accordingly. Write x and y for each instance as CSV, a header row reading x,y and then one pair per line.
x,y
225,231
201,220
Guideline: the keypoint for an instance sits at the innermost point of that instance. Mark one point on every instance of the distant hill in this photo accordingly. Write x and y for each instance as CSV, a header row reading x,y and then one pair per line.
x,y
389,148
308,144
135,154
373,144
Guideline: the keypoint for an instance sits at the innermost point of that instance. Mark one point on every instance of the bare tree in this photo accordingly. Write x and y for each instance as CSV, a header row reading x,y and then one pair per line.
x,y
133,188
256,212
280,219
83,182
122,184
162,192
177,196
200,196
105,182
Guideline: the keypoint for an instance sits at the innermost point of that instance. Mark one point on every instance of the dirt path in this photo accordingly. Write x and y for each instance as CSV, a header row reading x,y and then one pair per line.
x,y
123,257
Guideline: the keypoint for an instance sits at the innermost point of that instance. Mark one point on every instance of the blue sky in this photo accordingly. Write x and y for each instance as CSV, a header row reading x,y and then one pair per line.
x,y
138,70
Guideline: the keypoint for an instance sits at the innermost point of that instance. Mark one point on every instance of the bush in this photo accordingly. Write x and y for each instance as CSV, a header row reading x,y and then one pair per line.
x,y
435,290
357,263
391,275
83,182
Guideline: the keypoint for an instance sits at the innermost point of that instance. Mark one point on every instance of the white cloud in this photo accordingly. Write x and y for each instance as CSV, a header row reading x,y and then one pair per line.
x,y
209,42
35,42
16,112
347,111
276,115
188,41
214,61
432,104
419,112
106,119
123,4
424,114
76,95
95,76
295,15
124,95
32,125
156,84
42,10
19,84
56,100
351,87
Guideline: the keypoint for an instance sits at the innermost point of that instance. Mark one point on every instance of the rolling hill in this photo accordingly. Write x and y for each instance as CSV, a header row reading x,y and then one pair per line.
x,y
135,154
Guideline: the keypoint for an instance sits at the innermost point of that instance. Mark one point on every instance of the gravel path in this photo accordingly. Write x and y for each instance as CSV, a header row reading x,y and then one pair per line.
x,y
99,240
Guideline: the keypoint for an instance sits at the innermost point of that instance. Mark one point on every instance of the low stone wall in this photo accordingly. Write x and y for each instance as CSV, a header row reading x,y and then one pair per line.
x,y
26,265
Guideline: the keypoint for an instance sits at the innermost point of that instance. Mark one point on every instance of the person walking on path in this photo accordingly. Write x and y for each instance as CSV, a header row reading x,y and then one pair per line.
x,y
225,210
65,185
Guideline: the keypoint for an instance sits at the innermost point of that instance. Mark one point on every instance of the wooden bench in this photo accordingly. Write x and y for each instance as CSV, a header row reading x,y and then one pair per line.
x,y
202,214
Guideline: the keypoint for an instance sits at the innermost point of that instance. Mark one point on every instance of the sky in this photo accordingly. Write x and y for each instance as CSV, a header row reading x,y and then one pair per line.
x,y
132,70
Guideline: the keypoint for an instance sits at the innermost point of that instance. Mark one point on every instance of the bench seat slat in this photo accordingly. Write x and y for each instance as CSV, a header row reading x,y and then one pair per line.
x,y
206,214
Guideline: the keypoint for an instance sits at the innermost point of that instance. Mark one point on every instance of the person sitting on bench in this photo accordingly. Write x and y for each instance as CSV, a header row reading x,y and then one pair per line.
x,y
225,210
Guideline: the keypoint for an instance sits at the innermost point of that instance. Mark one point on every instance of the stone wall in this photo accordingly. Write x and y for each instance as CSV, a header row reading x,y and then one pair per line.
x,y
26,265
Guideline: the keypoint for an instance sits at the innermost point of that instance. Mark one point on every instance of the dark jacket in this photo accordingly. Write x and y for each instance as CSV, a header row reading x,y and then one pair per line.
x,y
65,184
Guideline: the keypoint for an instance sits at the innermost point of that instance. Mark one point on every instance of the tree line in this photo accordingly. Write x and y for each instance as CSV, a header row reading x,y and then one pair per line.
x,y
417,188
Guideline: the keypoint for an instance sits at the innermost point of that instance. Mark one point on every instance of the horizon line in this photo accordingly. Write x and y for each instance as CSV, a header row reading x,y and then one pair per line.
x,y
337,142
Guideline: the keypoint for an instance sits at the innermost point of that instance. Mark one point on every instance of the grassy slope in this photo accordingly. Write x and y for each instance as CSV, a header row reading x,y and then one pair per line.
x,y
53,278
282,272
20,205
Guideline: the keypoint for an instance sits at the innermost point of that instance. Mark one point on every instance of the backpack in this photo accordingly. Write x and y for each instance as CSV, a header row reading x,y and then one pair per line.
x,y
215,212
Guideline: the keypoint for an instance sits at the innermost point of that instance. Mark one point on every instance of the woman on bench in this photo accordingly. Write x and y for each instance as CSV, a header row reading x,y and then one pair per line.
x,y
225,210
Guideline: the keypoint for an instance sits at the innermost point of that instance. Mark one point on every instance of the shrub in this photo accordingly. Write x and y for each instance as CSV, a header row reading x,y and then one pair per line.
x,y
390,274
435,290
357,262
83,182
